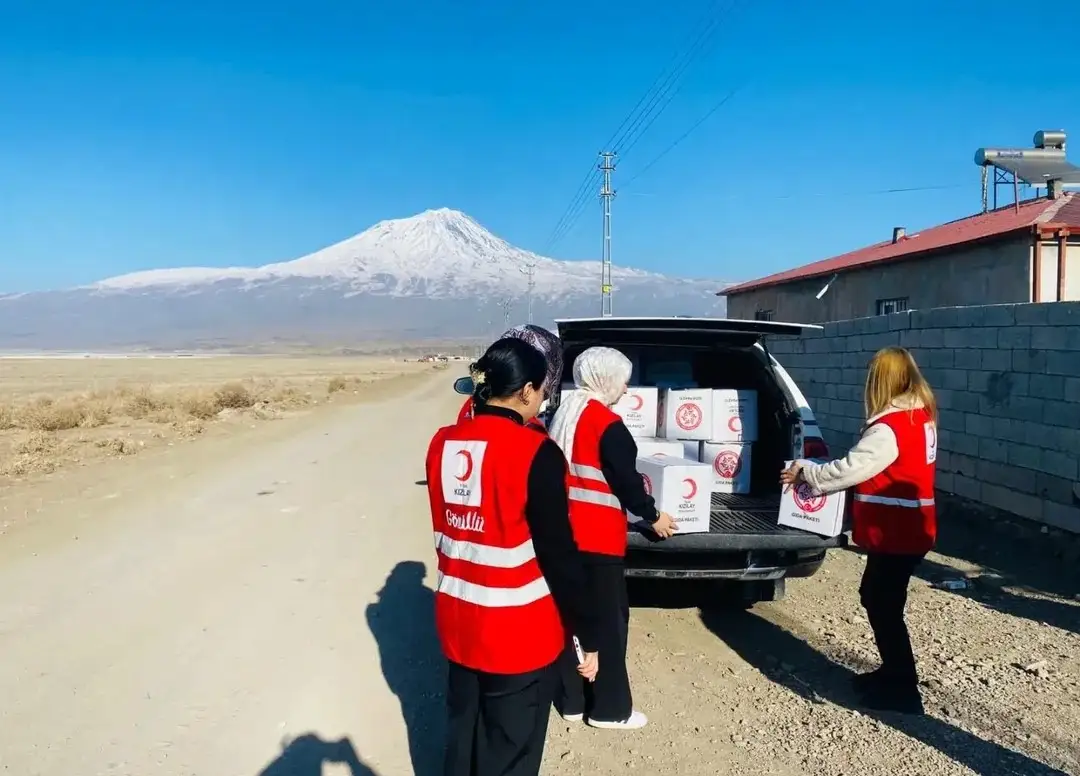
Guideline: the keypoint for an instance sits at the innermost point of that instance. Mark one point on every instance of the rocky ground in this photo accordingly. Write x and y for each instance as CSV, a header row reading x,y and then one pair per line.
x,y
767,691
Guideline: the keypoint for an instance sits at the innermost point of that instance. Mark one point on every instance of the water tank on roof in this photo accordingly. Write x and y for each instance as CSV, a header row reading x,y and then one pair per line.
x,y
1049,138
985,156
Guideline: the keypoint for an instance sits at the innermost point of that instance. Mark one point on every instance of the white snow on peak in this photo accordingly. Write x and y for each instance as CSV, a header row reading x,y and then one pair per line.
x,y
439,252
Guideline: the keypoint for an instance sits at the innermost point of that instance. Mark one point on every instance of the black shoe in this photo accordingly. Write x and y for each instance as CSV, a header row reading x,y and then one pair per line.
x,y
902,701
870,681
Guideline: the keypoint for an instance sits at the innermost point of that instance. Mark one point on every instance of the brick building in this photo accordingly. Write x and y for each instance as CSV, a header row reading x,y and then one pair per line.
x,y
1014,254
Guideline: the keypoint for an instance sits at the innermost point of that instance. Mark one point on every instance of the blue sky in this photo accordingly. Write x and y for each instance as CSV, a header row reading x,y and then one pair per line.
x,y
136,135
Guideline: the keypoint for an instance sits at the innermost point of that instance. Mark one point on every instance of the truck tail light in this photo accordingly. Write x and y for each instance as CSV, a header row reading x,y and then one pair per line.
x,y
815,447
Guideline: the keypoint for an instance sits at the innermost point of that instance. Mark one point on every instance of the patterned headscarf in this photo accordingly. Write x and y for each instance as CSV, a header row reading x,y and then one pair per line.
x,y
549,346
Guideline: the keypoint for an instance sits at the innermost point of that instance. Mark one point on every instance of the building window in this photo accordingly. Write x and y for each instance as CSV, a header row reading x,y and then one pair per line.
x,y
763,315
890,306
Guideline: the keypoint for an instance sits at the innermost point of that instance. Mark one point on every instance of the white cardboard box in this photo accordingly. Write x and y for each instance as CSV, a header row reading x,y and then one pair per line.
x,y
681,488
730,463
686,413
638,410
650,446
734,416
802,507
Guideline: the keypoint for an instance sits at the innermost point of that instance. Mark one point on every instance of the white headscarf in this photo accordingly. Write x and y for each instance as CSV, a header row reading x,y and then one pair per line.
x,y
600,374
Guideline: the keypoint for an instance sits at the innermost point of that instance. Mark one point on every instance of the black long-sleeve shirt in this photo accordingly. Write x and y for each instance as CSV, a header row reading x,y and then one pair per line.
x,y
618,461
547,511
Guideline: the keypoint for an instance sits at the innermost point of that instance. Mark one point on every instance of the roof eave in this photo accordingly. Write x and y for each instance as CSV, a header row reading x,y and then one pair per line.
x,y
758,285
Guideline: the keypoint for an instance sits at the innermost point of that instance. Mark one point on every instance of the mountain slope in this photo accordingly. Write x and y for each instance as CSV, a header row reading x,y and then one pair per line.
x,y
438,273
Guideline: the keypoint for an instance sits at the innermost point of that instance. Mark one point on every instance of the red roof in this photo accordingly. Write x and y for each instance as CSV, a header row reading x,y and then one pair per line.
x,y
1045,213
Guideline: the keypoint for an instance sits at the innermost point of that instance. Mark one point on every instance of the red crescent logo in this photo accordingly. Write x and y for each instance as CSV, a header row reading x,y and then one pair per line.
x,y
636,402
693,489
468,466
647,483
735,424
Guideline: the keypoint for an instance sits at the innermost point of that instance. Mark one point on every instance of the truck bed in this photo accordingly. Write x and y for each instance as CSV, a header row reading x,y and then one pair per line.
x,y
738,523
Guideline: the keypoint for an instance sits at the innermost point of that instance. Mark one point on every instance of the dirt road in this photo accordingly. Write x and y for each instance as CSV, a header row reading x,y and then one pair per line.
x,y
190,612
185,613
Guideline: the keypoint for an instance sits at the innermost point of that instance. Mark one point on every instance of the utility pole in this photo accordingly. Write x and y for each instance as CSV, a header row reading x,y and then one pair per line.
x,y
606,195
529,270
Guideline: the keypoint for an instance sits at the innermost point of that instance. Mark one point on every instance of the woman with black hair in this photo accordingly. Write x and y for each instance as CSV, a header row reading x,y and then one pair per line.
x,y
510,575
548,345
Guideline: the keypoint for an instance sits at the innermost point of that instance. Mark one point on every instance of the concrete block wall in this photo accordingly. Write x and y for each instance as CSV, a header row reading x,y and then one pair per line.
x,y
1007,380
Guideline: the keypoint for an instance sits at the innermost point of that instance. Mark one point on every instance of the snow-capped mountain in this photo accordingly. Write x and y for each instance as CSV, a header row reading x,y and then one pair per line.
x,y
438,273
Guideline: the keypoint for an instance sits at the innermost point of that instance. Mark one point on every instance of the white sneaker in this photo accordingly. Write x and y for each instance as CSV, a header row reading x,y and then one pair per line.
x,y
635,721
572,717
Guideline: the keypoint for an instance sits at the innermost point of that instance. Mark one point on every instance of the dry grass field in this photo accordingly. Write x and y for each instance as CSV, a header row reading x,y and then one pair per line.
x,y
56,412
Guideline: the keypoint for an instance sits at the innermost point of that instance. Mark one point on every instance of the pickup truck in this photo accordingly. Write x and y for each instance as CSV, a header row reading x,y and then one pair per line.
x,y
744,544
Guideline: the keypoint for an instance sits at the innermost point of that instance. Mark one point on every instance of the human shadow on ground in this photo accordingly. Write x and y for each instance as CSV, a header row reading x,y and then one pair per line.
x,y
989,590
789,661
403,624
306,754
1009,553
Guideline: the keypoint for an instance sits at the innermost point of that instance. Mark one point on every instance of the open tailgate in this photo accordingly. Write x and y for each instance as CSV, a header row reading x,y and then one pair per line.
x,y
675,330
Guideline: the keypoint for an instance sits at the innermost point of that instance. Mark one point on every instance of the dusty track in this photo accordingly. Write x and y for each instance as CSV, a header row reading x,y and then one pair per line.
x,y
183,612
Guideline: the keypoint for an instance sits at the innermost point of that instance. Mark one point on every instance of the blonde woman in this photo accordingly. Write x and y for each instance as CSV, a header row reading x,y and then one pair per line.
x,y
891,470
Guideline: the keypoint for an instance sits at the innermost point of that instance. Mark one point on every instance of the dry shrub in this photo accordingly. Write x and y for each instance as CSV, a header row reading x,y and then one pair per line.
x,y
289,396
47,414
199,406
36,452
118,446
336,384
96,416
189,428
37,443
142,403
234,396
7,418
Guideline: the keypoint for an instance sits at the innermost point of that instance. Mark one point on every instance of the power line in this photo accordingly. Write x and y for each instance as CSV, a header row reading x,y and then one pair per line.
x,y
574,209
842,194
672,86
652,97
682,137
616,138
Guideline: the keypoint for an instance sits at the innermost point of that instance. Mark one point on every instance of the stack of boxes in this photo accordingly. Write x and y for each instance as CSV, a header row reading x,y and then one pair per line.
x,y
691,443
696,442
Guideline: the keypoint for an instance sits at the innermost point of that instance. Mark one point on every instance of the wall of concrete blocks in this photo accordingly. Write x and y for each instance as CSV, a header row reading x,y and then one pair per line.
x,y
1007,379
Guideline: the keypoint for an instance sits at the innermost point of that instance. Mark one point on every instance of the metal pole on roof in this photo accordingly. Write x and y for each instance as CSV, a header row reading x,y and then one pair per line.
x,y
606,195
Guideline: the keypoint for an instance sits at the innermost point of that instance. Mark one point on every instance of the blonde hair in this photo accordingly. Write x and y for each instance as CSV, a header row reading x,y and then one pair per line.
x,y
893,373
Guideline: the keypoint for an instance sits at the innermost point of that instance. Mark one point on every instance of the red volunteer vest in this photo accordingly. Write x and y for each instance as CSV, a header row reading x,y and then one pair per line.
x,y
466,413
894,512
493,609
596,515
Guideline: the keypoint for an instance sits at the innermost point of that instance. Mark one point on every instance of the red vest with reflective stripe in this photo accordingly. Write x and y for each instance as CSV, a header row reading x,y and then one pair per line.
x,y
894,512
493,609
596,516
466,413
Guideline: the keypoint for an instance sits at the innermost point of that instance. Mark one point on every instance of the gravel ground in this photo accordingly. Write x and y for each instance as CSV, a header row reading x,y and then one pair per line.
x,y
766,691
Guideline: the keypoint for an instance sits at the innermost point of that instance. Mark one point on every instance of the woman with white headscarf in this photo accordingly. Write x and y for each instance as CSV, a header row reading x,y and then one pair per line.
x,y
604,487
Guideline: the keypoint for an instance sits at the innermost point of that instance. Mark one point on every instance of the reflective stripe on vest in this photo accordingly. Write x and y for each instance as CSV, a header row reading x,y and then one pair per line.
x,y
910,503
493,597
494,611
596,514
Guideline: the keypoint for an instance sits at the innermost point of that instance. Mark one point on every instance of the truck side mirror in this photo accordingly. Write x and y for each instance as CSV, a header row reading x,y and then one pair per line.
x,y
464,386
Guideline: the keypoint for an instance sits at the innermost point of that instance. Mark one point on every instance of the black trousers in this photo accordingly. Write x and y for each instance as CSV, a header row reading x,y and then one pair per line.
x,y
884,591
497,723
608,698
